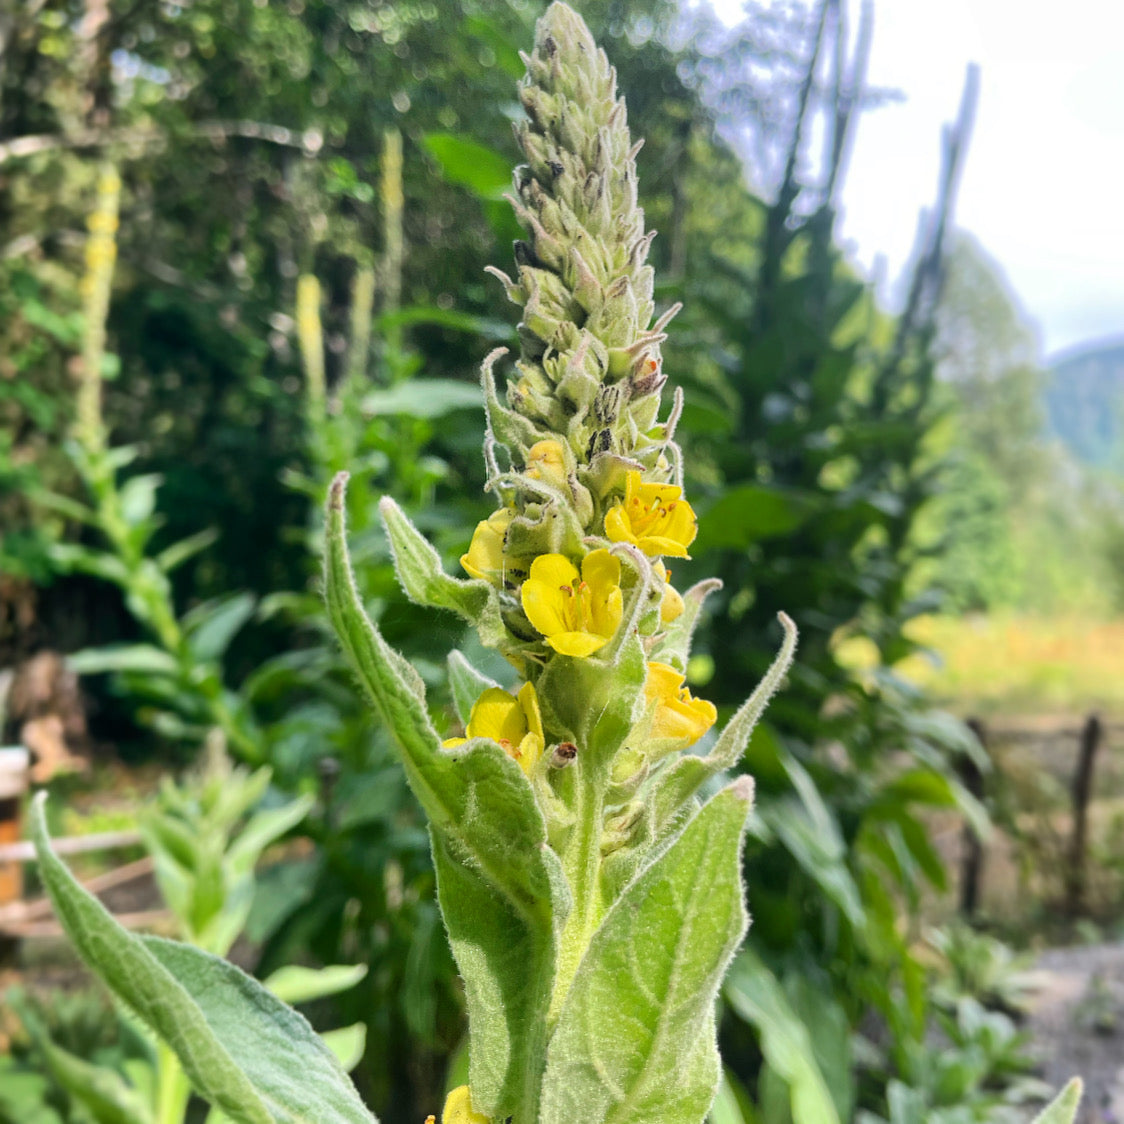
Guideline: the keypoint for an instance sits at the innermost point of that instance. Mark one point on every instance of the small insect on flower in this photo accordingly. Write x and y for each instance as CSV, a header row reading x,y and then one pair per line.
x,y
514,721
576,614
485,553
653,517
678,718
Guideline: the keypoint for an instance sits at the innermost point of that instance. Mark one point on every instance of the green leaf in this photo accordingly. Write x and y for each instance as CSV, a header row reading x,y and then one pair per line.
x,y
288,1065
130,970
107,1098
179,552
138,498
424,398
1063,1109
488,834
755,994
484,172
122,657
263,829
507,963
467,685
731,1105
749,513
425,582
635,1040
211,627
295,984
347,1043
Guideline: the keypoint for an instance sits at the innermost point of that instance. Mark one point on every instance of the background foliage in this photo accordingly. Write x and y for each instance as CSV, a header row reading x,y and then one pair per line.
x,y
257,149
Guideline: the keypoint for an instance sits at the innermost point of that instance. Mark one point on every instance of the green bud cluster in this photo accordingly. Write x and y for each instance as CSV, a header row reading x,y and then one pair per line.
x,y
589,373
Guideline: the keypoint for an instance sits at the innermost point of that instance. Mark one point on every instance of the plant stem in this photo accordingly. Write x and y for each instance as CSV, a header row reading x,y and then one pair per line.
x,y
582,862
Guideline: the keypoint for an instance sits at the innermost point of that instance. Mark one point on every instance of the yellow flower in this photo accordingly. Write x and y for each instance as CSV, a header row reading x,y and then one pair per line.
x,y
671,606
653,517
485,553
546,461
678,717
512,720
577,615
458,1109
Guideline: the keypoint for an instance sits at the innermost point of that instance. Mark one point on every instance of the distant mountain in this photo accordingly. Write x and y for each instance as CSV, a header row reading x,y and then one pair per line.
x,y
1084,399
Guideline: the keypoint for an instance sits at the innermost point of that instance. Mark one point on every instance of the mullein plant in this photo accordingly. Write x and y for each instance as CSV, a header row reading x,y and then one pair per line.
x,y
591,901
591,904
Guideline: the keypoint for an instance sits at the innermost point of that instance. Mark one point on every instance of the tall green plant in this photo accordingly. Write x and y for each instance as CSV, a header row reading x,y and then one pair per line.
x,y
592,901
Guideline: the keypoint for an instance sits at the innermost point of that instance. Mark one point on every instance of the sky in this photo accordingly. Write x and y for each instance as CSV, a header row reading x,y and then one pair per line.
x,y
1043,187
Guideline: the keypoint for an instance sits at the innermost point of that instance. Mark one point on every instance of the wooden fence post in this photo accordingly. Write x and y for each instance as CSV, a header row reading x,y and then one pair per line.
x,y
971,862
1091,735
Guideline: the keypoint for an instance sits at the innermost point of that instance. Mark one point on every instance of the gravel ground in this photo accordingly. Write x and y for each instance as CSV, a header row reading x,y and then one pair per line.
x,y
1077,1026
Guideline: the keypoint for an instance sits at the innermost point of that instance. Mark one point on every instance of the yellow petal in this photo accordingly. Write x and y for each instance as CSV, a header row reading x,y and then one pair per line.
x,y
485,553
677,716
579,644
452,743
601,569
555,569
617,525
544,605
529,701
458,1109
497,715
671,606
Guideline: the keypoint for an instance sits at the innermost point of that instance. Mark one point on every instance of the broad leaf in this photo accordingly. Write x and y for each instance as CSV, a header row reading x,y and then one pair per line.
x,y
635,1041
755,994
424,398
141,981
253,1058
483,171
507,963
488,833
289,1065
751,512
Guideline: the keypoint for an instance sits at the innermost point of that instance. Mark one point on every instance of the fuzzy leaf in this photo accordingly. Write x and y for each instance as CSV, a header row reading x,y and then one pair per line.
x,y
476,794
140,980
295,1074
635,1041
425,582
489,843
507,964
1063,1109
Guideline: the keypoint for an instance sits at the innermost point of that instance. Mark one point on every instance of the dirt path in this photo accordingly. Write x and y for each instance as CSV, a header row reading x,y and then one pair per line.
x,y
1077,1026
